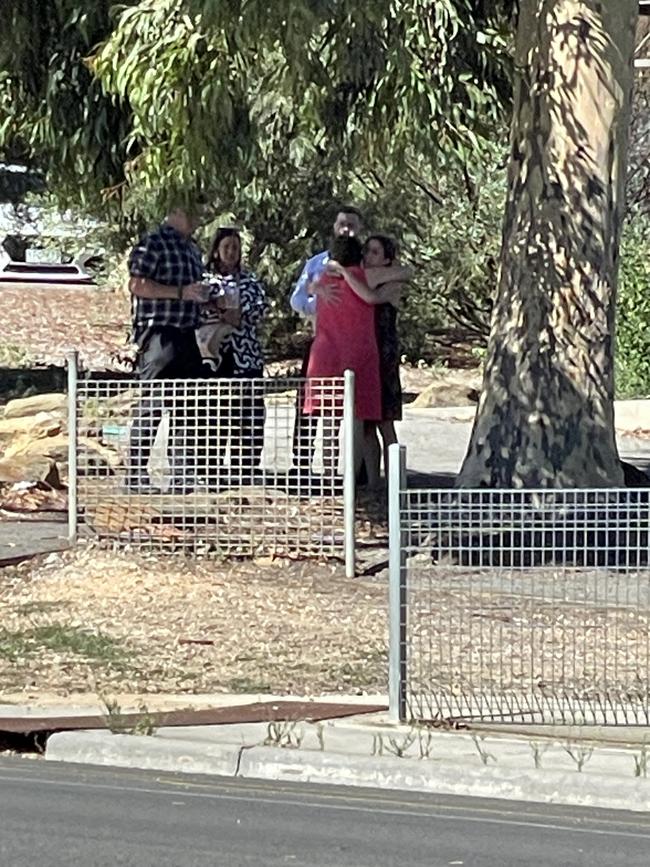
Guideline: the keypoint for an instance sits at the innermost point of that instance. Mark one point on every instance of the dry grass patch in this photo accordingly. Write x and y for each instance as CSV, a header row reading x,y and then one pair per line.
x,y
104,621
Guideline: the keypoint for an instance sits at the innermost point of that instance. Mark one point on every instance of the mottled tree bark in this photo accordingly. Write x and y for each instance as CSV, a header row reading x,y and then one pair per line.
x,y
545,418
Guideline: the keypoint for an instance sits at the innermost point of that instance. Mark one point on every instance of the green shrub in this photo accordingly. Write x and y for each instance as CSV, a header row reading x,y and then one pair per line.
x,y
632,359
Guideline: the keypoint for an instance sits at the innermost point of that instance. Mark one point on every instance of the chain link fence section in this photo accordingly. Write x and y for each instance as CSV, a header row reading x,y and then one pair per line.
x,y
521,606
222,467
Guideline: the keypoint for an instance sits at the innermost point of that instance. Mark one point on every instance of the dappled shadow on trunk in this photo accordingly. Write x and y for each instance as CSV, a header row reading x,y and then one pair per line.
x,y
531,445
545,417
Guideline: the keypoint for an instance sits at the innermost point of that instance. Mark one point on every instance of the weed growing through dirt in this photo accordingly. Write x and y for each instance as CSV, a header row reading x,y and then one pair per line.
x,y
146,725
641,762
425,743
12,645
538,751
61,639
66,639
400,746
113,716
37,606
119,723
248,685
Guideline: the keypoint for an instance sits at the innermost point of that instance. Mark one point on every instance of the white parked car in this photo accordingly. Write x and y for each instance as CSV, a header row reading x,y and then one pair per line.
x,y
55,274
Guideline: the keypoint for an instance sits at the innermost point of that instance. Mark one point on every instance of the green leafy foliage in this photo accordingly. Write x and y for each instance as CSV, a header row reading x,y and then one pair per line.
x,y
448,228
144,103
277,112
54,113
633,311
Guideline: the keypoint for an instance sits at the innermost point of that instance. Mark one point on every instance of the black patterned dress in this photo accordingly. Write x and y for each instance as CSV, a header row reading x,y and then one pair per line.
x,y
389,358
241,349
241,419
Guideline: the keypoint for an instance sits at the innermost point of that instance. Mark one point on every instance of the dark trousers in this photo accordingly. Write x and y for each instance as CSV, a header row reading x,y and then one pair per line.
x,y
234,416
304,426
165,353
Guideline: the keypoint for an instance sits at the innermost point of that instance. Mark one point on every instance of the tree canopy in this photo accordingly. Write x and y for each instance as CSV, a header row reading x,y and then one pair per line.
x,y
245,100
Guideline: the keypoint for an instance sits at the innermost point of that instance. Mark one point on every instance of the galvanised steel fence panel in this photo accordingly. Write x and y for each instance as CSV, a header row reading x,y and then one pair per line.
x,y
521,605
223,467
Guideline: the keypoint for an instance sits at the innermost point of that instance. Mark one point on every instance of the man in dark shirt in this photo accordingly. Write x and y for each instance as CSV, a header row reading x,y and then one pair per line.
x,y
165,270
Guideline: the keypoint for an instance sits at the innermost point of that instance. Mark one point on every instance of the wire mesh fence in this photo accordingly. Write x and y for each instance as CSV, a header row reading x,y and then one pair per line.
x,y
521,606
213,466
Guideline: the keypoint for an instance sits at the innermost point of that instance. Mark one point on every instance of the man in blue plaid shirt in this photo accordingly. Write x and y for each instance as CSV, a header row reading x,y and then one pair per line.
x,y
165,270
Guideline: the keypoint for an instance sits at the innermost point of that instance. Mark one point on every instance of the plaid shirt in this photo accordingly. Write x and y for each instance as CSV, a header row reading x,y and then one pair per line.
x,y
166,257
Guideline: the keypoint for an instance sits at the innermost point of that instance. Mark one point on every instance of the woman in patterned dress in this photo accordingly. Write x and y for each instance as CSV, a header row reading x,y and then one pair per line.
x,y
238,301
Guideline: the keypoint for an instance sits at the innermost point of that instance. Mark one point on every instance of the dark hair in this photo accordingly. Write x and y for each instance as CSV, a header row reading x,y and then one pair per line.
x,y
349,209
213,255
388,245
346,250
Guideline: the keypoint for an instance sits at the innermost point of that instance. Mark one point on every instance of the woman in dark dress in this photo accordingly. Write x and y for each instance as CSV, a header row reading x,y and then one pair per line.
x,y
379,253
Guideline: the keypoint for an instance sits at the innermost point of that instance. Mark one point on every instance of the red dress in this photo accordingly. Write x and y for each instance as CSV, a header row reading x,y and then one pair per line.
x,y
345,340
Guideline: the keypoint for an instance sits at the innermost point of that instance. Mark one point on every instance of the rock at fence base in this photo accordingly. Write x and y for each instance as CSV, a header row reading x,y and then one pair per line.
x,y
34,468
28,497
26,406
31,427
91,453
449,393
117,517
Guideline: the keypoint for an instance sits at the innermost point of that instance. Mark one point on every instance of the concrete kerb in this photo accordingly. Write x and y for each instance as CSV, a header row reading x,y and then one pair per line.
x,y
146,753
446,778
372,753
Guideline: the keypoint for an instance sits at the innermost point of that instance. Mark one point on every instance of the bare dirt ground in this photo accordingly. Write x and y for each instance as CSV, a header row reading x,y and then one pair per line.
x,y
90,621
96,621
40,326
93,622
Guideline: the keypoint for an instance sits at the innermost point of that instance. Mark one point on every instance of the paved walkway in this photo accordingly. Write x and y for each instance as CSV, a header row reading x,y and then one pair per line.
x,y
437,441
20,540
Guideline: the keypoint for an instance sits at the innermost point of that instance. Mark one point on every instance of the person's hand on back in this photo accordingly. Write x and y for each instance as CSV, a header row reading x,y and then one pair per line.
x,y
334,268
327,290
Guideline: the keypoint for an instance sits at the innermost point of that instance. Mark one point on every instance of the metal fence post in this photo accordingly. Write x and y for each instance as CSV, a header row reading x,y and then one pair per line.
x,y
397,585
349,479
72,359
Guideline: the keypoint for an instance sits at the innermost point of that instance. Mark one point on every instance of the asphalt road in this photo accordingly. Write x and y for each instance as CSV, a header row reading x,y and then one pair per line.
x,y
95,817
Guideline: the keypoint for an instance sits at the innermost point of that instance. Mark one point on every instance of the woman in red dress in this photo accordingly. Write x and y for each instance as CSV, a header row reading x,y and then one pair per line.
x,y
345,334
345,340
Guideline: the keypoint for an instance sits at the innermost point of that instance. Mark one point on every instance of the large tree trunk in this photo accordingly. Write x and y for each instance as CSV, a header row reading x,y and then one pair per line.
x,y
545,418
